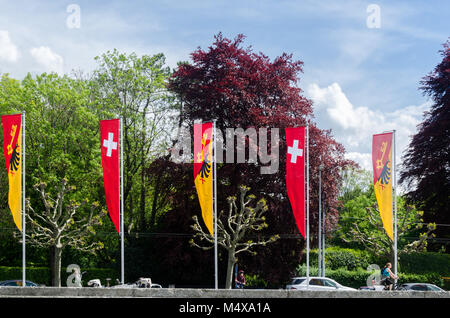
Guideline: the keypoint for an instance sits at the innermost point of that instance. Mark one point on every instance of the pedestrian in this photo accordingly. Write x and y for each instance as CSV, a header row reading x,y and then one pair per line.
x,y
240,280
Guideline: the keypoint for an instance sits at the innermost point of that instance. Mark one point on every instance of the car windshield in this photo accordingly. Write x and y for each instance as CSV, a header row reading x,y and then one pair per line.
x,y
297,281
329,283
419,287
433,288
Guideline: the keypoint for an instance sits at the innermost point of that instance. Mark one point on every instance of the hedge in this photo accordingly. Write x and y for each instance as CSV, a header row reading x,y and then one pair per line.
x,y
42,275
38,275
422,263
357,278
414,263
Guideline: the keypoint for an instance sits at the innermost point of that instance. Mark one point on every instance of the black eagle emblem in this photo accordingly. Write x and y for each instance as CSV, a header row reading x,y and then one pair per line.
x,y
205,170
385,175
15,160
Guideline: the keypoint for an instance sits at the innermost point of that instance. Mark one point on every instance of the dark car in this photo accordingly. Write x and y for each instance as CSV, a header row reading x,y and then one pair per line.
x,y
421,287
17,282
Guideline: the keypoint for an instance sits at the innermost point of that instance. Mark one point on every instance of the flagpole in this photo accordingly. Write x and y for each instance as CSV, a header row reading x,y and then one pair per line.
x,y
319,267
323,237
394,169
307,204
216,270
122,251
23,204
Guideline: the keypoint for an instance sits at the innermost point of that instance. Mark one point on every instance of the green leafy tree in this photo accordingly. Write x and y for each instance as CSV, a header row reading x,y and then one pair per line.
x,y
61,224
360,223
62,145
134,88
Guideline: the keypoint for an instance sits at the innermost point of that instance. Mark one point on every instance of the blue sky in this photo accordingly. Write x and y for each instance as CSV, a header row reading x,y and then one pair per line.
x,y
362,80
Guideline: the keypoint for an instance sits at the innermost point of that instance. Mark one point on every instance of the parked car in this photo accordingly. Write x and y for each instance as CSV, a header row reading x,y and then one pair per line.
x,y
374,287
18,282
421,287
316,283
155,286
140,283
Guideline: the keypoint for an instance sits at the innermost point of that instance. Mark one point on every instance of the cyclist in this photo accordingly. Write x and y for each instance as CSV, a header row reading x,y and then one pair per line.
x,y
388,278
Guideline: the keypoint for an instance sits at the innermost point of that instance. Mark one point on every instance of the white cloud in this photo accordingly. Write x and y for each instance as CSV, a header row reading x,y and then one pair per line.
x,y
354,126
45,57
8,51
363,159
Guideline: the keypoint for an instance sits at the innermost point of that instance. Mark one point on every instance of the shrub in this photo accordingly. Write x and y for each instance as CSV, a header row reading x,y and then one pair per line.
x,y
422,263
255,282
336,257
38,275
358,278
42,276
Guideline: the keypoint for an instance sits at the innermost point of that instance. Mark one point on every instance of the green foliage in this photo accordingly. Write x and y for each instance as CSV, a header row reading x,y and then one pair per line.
x,y
358,277
337,257
255,282
360,223
42,276
38,275
422,263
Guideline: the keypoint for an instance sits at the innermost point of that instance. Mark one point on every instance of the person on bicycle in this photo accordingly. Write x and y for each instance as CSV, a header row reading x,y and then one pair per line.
x,y
240,280
388,278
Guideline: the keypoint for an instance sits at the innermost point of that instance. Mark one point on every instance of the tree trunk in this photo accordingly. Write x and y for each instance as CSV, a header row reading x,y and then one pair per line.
x,y
156,190
230,267
56,266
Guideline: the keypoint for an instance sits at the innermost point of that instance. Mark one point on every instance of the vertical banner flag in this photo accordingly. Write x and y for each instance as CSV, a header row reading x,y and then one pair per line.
x,y
203,180
382,177
295,174
12,149
109,143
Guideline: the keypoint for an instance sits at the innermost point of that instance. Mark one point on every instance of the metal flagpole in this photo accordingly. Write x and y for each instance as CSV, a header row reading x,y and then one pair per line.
x,y
23,204
323,238
394,172
319,267
216,270
122,252
307,204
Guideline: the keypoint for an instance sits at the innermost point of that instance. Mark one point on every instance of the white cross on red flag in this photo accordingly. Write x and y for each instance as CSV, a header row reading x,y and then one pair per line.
x,y
295,174
109,143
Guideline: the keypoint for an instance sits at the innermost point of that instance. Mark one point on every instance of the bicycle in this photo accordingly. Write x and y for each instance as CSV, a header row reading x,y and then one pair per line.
x,y
395,286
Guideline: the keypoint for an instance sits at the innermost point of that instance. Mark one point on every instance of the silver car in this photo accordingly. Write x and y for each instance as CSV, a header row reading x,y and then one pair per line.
x,y
316,283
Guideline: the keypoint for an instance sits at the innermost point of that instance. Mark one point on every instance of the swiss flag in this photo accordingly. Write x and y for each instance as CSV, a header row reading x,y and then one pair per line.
x,y
109,144
295,173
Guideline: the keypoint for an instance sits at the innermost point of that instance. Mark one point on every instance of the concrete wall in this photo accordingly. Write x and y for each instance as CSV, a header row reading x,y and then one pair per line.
x,y
87,292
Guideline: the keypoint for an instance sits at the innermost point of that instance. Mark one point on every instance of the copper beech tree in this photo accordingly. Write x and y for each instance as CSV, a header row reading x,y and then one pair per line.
x,y
242,89
426,165
234,228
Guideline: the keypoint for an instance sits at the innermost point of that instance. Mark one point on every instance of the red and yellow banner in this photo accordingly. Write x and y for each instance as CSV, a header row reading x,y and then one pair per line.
x,y
382,177
203,161
12,148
